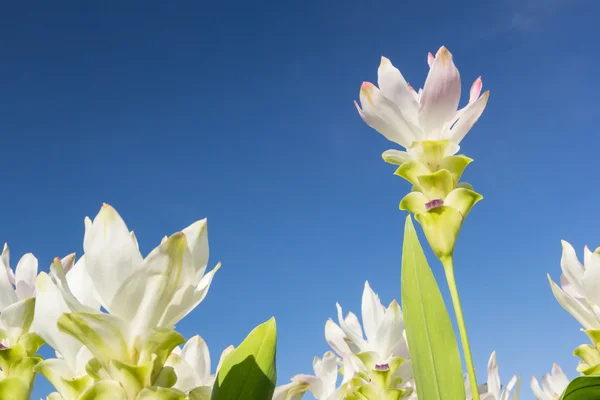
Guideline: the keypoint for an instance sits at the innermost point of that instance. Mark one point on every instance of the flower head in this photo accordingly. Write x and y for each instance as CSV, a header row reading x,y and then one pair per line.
x,y
492,389
408,117
553,384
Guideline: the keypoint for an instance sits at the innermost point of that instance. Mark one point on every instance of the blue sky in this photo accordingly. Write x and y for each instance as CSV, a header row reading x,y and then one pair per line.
x,y
242,112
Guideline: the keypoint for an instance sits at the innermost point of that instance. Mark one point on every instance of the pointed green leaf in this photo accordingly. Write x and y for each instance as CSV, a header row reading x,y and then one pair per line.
x,y
434,351
249,370
582,388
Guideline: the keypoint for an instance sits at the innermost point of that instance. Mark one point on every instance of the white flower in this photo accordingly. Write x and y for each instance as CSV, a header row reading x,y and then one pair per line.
x,y
323,384
290,391
72,355
383,328
192,365
17,292
492,390
553,384
580,292
406,117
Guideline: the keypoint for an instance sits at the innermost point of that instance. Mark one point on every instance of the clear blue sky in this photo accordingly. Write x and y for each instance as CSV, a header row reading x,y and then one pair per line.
x,y
242,112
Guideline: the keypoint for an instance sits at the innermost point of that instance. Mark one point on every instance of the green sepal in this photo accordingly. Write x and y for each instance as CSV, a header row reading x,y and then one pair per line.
x,y
31,342
441,226
24,368
11,355
414,202
456,165
104,390
590,357
158,345
96,370
14,388
594,335
102,334
462,200
432,152
200,393
367,392
411,171
166,378
250,368
158,393
133,378
437,185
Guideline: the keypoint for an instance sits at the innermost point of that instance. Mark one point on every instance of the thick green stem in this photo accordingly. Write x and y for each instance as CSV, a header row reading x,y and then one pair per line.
x,y
448,264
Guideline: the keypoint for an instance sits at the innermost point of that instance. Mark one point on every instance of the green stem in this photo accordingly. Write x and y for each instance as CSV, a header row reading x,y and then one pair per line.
x,y
448,264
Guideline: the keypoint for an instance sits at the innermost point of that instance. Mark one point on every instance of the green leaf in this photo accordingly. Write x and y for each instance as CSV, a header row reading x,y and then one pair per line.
x,y
582,388
248,372
434,351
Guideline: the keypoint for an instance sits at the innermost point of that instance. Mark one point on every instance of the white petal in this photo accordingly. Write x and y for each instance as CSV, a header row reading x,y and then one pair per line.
x,y
493,380
144,296
385,338
579,311
430,59
25,274
335,338
186,299
17,318
81,285
111,256
571,267
384,116
49,306
468,116
591,280
7,292
558,380
187,379
354,337
224,354
353,324
290,391
569,289
537,390
372,312
441,94
197,238
196,353
6,260
328,373
393,86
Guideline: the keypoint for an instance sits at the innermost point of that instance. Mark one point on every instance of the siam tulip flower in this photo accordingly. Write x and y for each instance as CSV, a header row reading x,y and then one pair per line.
x,y
492,389
144,297
415,120
323,384
192,366
67,371
290,391
18,344
579,293
381,356
553,384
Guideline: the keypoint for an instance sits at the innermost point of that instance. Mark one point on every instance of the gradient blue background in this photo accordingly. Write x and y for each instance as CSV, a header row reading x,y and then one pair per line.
x,y
242,112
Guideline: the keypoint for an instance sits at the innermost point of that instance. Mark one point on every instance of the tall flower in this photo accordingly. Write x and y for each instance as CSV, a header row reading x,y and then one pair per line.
x,y
410,118
553,384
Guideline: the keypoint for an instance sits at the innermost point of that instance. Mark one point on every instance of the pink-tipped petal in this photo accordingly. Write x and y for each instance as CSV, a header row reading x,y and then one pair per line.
x,y
441,94
430,59
475,90
394,87
383,115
